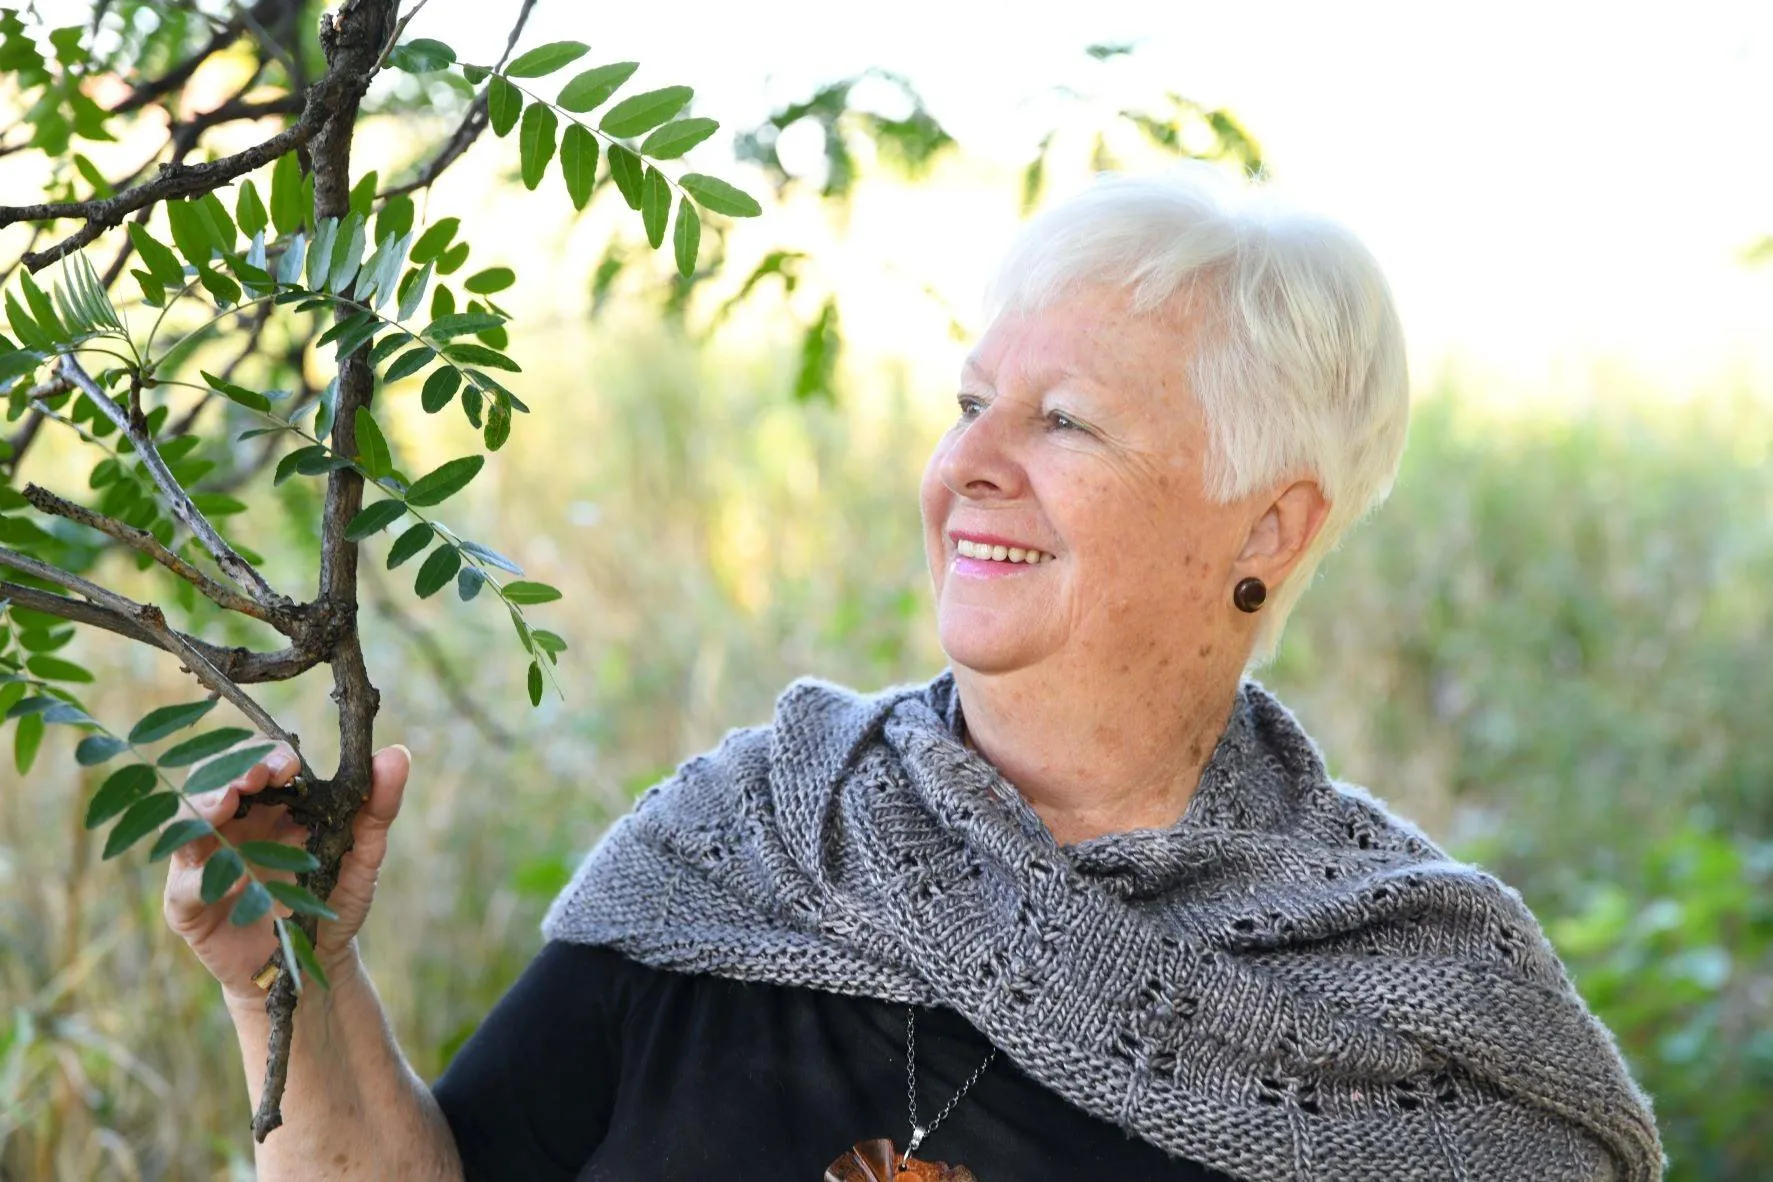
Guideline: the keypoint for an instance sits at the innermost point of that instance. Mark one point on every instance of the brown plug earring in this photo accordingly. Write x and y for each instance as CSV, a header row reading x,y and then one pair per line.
x,y
1250,594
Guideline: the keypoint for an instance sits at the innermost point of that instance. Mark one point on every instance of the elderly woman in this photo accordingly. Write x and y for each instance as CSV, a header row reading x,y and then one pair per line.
x,y
1086,905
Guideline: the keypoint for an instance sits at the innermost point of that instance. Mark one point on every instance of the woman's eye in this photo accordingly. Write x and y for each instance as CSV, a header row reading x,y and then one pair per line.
x,y
1063,422
969,406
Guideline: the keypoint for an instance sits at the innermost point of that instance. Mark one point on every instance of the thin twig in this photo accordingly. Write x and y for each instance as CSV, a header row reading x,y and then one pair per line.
x,y
245,576
146,543
243,665
473,122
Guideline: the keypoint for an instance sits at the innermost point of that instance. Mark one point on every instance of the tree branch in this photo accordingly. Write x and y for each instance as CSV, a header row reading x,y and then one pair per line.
x,y
234,566
146,543
353,42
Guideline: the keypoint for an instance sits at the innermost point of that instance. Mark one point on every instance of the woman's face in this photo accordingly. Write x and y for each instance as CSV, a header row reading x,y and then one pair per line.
x,y
1076,437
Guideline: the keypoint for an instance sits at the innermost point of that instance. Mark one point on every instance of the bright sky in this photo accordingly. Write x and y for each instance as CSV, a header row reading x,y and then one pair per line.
x,y
1548,185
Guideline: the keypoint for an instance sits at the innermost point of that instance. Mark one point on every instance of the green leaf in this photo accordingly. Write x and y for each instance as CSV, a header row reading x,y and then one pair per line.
x,y
372,445
374,518
445,481
687,238
251,906
458,324
412,291
221,871
395,217
440,387
498,424
299,899
421,55
221,226
347,254
204,745
655,205
190,231
469,580
548,642
437,570
56,669
677,137
490,280
503,104
591,88
251,399
120,789
25,329
249,211
409,363
641,113
42,309
320,252
363,194
436,236
275,855
625,170
162,264
179,833
469,353
715,194
27,737
296,940
96,749
545,59
287,212
225,769
451,260
491,557
409,544
222,289
143,817
578,163
535,143
157,724
535,683
289,263
530,592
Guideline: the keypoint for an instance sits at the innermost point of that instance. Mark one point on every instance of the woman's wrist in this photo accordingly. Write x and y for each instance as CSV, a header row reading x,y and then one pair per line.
x,y
343,971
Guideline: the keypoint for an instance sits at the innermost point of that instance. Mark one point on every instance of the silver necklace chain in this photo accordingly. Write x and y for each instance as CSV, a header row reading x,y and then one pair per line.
x,y
919,1132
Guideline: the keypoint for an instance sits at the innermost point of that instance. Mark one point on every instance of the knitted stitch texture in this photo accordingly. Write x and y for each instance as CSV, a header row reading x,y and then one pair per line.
x,y
1290,983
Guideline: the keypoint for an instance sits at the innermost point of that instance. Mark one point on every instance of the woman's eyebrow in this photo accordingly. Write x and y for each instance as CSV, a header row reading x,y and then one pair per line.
x,y
1043,379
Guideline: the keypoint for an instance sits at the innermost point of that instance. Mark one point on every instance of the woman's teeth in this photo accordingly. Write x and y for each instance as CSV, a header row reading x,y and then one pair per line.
x,y
1000,553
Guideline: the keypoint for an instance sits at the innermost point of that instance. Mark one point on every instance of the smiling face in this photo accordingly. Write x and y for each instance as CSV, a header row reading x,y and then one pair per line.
x,y
1077,438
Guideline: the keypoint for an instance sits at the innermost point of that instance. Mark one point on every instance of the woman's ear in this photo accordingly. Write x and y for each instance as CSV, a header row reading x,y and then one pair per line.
x,y
1283,532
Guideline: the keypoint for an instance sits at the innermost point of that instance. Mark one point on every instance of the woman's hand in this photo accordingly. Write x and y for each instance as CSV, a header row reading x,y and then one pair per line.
x,y
233,954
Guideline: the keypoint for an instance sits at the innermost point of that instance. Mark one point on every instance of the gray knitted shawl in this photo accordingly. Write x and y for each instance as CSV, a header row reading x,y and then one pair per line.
x,y
1290,983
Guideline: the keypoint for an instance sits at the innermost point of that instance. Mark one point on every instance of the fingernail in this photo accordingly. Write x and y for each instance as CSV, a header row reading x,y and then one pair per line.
x,y
404,748
279,761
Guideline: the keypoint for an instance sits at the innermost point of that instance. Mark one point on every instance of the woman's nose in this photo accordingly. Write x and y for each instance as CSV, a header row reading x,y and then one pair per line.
x,y
981,462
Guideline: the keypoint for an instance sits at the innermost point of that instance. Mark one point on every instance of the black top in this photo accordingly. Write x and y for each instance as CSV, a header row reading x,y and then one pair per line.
x,y
594,1066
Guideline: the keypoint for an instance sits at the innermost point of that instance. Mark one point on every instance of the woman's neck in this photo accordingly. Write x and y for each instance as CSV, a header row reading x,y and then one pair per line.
x,y
1098,755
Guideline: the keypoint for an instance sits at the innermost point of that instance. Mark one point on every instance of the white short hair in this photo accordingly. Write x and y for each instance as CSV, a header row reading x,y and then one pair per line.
x,y
1299,368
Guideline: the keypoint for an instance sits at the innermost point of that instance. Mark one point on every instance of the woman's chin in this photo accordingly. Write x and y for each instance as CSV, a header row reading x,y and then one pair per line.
x,y
985,650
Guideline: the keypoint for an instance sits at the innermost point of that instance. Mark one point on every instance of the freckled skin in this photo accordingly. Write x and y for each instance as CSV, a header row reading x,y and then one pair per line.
x,y
1099,681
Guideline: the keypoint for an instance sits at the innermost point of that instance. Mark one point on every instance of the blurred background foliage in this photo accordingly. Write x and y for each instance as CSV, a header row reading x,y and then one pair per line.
x,y
1551,648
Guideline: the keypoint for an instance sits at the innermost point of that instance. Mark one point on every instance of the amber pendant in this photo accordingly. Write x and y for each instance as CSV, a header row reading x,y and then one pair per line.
x,y
878,1161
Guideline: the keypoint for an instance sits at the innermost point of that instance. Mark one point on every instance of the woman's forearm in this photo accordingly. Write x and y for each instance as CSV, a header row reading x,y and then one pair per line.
x,y
352,1106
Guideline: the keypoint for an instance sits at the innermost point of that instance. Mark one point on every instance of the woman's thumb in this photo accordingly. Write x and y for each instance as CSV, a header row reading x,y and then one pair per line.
x,y
387,785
